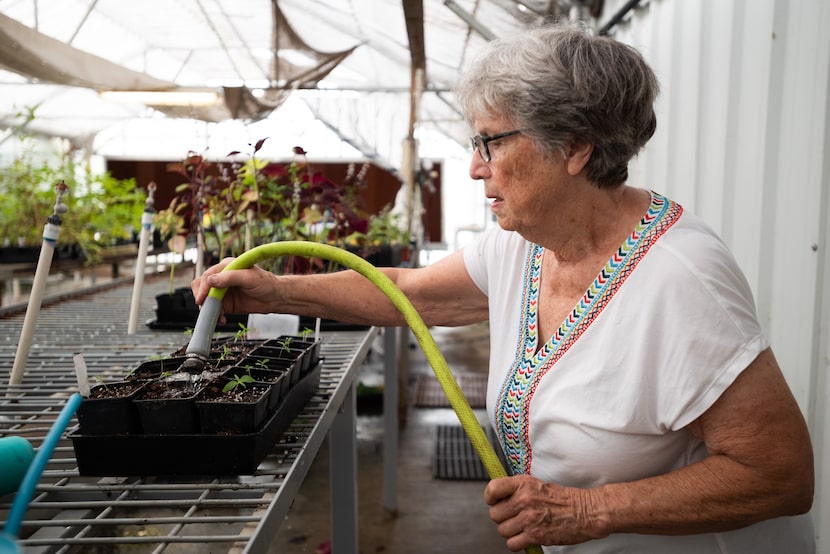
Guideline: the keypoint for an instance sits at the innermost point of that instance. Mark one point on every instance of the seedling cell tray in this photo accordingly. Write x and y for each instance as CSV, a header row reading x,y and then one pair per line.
x,y
191,454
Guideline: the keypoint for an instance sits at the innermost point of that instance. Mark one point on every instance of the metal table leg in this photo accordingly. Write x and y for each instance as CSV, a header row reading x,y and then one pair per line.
x,y
390,419
343,476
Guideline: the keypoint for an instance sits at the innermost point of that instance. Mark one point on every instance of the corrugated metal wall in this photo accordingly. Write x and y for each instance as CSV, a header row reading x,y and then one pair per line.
x,y
743,140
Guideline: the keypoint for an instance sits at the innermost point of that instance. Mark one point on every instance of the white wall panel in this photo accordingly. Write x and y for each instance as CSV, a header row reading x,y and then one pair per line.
x,y
742,141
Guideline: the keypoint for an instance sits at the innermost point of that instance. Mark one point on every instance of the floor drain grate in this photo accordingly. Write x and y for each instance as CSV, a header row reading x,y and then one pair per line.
x,y
427,392
455,458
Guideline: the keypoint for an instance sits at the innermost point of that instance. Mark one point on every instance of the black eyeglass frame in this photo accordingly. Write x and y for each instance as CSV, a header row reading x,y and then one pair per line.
x,y
480,143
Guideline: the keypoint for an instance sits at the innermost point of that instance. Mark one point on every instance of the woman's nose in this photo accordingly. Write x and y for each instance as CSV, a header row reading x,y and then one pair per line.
x,y
478,168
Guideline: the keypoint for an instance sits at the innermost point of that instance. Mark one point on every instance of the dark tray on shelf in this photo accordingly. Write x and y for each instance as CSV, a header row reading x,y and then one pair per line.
x,y
195,454
183,323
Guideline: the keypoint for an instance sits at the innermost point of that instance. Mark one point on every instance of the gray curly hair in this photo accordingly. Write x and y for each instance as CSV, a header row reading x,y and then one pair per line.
x,y
560,83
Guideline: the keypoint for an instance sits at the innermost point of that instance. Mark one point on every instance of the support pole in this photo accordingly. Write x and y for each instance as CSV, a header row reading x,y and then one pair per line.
x,y
141,260
51,233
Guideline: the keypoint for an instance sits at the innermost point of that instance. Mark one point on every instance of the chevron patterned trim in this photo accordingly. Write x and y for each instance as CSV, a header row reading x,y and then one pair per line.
x,y
519,387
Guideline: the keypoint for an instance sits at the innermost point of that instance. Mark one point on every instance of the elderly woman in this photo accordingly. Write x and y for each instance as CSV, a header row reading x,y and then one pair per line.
x,y
631,386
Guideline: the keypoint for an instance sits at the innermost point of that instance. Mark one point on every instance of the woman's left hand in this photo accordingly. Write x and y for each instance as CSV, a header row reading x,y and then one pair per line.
x,y
530,512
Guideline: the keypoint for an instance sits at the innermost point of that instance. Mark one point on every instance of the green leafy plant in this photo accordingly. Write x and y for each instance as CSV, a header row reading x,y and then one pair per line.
x,y
99,380
102,211
241,334
233,206
285,345
305,333
226,353
236,382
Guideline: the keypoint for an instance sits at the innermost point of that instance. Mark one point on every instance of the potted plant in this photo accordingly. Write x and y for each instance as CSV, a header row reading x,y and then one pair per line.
x,y
273,372
109,409
303,341
233,404
167,405
103,212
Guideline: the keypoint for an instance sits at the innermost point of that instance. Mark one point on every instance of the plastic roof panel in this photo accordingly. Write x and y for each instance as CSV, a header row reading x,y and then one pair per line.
x,y
213,43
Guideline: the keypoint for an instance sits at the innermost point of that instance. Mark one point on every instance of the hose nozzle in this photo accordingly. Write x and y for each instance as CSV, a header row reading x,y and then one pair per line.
x,y
198,350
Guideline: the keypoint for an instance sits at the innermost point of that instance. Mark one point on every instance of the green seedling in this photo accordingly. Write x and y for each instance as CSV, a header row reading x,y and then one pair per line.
x,y
227,351
285,345
99,379
237,381
241,334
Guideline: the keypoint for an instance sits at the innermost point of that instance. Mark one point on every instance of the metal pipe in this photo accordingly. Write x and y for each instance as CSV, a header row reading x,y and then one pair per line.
x,y
141,261
51,233
470,20
617,17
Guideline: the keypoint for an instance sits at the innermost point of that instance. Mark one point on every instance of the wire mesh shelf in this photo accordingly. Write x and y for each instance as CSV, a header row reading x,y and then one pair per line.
x,y
71,513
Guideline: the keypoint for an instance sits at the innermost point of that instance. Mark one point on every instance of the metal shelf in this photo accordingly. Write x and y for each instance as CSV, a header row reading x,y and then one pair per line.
x,y
70,513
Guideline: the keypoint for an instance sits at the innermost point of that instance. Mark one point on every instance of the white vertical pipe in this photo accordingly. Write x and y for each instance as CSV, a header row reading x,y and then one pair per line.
x,y
141,260
51,233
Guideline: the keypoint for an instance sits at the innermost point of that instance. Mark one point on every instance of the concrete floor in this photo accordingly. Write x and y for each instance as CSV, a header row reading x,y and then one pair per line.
x,y
434,515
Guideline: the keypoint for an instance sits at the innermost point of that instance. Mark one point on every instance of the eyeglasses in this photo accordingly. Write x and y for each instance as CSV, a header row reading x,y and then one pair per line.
x,y
480,143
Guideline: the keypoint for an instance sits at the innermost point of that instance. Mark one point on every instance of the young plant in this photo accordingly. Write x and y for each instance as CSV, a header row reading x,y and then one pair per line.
x,y
227,352
285,345
236,382
305,333
241,334
99,380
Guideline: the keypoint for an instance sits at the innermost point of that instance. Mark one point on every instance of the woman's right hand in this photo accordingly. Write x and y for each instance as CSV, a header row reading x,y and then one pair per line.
x,y
248,290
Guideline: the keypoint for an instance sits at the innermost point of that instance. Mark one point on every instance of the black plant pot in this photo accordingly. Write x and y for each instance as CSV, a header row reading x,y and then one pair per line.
x,y
168,407
311,347
240,411
178,311
292,358
109,409
154,369
278,378
19,254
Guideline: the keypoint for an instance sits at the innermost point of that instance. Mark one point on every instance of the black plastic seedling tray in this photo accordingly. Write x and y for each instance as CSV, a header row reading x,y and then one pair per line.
x,y
191,454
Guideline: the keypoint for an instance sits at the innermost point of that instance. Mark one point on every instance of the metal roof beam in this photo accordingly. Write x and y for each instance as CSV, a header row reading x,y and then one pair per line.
x,y
413,11
470,20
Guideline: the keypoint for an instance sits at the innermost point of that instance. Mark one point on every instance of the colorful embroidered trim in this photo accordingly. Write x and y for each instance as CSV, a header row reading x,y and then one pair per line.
x,y
513,406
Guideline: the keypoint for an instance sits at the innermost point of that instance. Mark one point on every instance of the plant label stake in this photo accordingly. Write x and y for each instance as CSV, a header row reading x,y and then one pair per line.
x,y
81,375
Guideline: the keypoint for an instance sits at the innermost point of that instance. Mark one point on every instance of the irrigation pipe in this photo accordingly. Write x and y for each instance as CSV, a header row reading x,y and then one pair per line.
x,y
199,345
51,233
141,260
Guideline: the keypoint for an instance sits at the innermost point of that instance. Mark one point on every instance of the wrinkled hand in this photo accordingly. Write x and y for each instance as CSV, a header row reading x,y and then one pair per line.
x,y
531,512
248,290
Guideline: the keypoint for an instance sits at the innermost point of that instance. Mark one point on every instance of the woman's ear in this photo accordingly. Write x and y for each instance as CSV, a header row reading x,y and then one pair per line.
x,y
579,152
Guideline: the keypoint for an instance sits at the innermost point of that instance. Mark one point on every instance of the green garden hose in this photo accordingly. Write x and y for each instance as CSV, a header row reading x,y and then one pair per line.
x,y
206,323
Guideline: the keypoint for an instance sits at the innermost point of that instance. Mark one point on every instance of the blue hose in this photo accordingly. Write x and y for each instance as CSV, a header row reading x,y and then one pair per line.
x,y
30,480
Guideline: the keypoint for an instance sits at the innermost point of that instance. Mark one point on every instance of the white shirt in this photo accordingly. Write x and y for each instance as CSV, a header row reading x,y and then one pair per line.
x,y
664,330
